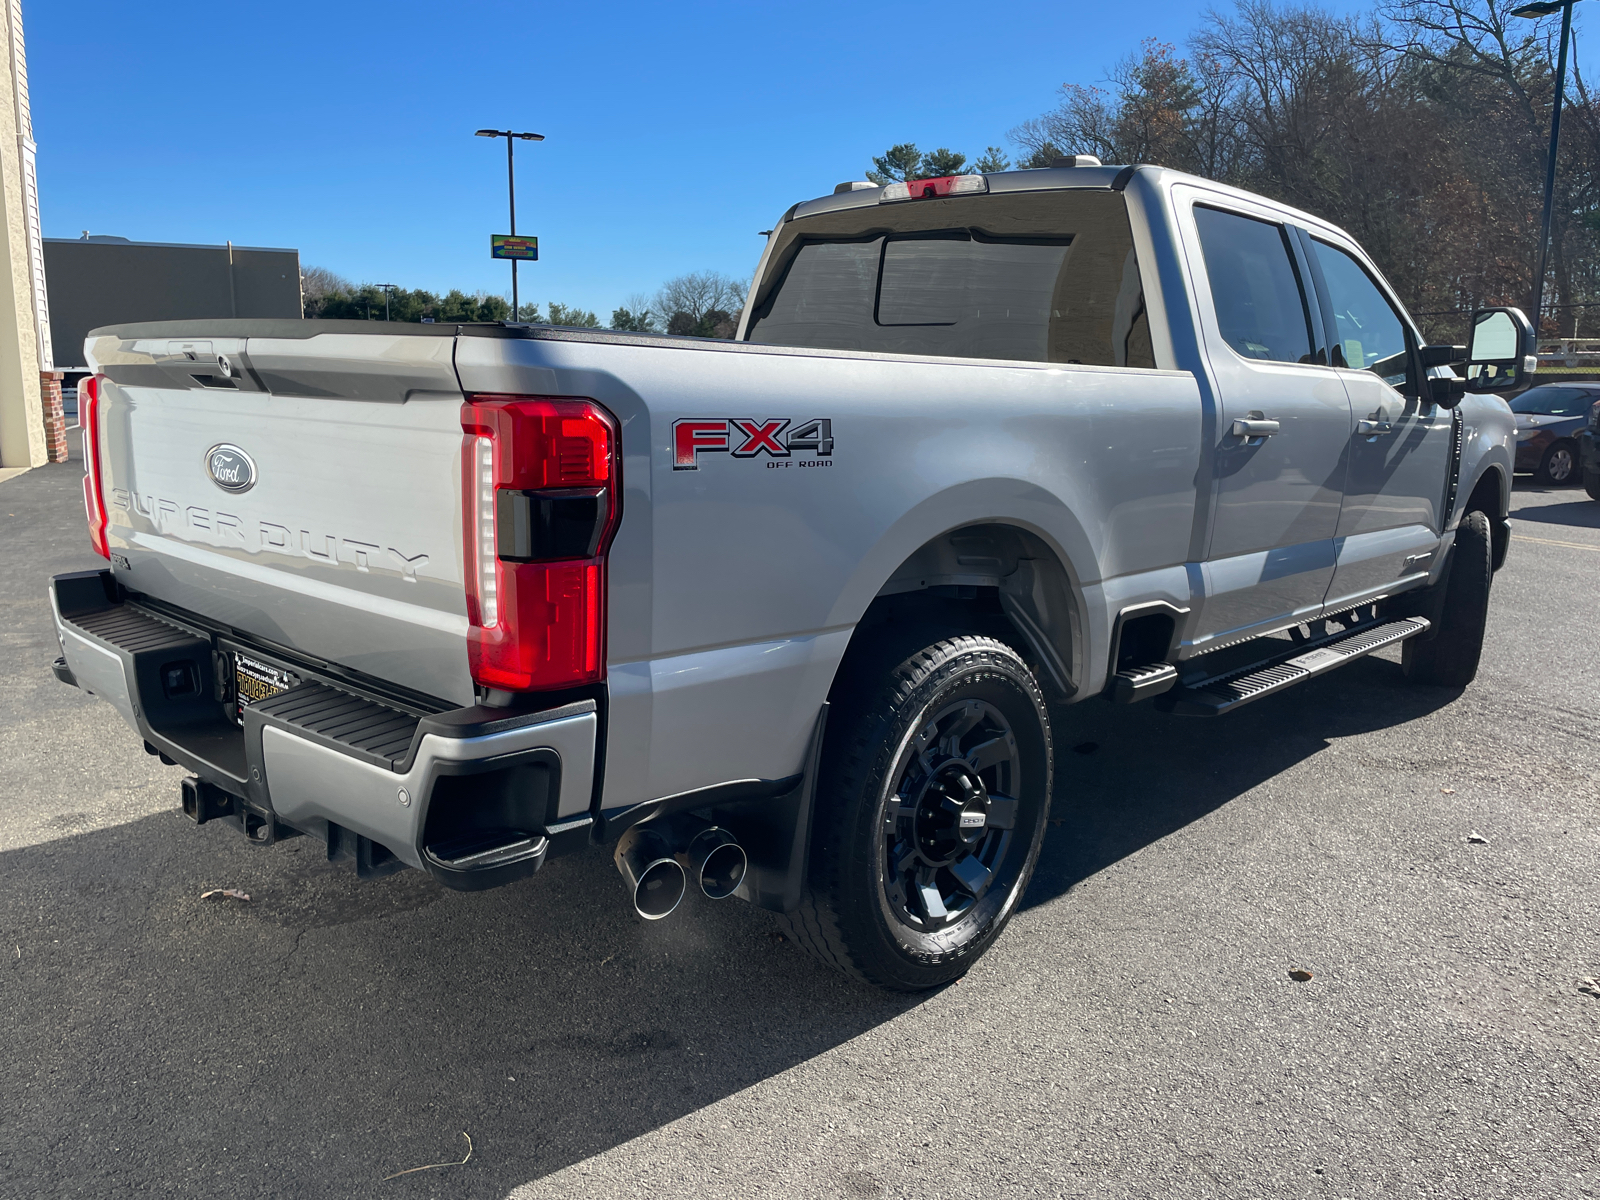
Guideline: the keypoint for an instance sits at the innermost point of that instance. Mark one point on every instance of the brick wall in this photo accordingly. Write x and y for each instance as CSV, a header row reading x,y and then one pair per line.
x,y
55,420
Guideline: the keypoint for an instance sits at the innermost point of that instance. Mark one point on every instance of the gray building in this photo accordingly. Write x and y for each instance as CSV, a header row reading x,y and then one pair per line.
x,y
102,280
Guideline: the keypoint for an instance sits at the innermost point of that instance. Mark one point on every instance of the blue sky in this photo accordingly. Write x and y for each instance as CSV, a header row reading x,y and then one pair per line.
x,y
675,133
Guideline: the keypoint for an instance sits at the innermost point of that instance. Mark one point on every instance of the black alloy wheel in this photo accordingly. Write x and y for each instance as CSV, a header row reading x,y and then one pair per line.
x,y
930,810
948,824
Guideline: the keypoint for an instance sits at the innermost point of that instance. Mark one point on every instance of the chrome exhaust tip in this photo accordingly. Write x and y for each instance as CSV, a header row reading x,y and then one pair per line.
x,y
716,862
655,878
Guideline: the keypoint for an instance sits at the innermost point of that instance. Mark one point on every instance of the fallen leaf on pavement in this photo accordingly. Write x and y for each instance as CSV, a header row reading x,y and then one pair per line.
x,y
229,893
1300,975
1477,839
1589,987
1448,791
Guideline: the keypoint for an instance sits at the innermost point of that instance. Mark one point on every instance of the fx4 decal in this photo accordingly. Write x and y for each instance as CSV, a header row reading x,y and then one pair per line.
x,y
745,438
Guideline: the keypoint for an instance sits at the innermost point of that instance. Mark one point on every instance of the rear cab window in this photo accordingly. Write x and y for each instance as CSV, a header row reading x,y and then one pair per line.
x,y
1047,276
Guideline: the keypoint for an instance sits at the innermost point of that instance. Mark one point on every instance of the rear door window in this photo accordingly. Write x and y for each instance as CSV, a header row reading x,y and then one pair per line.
x,y
1261,308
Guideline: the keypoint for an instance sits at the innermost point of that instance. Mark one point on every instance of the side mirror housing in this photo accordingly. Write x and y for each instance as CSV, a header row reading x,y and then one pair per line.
x,y
1501,350
1443,356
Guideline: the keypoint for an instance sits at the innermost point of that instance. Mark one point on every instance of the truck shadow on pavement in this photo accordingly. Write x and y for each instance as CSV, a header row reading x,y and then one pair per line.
x,y
1584,513
1128,777
328,1032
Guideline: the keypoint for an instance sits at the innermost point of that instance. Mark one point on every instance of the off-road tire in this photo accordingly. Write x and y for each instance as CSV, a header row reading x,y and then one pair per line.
x,y
848,917
1450,657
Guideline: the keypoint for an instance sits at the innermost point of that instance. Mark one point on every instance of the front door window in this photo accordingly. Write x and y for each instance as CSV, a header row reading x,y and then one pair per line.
x,y
1368,333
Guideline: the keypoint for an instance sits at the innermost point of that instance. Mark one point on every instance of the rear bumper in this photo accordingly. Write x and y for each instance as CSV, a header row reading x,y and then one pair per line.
x,y
475,796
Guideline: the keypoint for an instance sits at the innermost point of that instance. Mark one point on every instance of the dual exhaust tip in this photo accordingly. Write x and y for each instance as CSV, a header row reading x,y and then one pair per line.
x,y
658,859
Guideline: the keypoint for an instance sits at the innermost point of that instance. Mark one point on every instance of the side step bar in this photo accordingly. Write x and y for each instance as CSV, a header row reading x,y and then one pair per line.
x,y
1227,692
1141,683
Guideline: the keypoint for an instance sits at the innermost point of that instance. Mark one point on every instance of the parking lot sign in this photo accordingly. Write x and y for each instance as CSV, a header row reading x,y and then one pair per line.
x,y
508,245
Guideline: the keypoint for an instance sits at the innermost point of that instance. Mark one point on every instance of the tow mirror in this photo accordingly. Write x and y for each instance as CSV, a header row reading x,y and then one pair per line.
x,y
1443,356
1501,350
1444,390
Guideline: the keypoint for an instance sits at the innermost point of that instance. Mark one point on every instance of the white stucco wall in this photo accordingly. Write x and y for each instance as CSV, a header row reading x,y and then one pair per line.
x,y
22,441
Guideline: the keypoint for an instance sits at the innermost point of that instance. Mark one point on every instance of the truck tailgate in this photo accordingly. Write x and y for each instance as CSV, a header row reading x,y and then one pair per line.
x,y
306,491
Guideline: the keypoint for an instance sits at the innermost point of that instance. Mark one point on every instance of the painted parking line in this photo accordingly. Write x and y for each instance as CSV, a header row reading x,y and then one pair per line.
x,y
1522,537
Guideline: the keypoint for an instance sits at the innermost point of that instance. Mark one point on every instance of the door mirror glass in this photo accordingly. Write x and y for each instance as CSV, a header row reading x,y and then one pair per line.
x,y
1500,353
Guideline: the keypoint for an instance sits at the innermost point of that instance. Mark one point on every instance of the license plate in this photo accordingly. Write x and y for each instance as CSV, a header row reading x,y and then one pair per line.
x,y
254,681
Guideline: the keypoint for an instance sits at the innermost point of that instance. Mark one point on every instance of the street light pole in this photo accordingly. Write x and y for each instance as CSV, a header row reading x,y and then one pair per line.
x,y
387,289
1548,8
511,187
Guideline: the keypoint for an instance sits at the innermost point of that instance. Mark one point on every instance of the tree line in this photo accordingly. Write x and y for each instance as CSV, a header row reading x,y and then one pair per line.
x,y
1421,127
702,303
330,297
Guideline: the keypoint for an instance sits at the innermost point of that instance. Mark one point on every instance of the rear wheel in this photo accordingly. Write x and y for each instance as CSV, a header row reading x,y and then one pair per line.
x,y
930,812
1559,467
1450,657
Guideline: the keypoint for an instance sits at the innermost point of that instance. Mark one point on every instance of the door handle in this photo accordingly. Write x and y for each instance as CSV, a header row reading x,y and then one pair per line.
x,y
1365,426
1254,428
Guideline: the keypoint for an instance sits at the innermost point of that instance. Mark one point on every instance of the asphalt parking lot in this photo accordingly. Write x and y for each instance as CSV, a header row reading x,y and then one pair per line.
x,y
1135,1033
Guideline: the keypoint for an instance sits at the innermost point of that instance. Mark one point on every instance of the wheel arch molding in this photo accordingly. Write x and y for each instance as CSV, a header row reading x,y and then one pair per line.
x,y
993,575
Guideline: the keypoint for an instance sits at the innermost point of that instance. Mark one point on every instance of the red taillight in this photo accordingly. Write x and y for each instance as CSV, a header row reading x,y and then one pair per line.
x,y
94,497
540,498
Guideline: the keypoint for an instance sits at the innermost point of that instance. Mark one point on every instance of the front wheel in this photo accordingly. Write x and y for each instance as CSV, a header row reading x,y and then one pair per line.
x,y
1559,467
1450,657
1591,484
931,805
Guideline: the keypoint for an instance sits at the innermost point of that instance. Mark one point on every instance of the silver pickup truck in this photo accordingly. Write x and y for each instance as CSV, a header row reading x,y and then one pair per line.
x,y
786,617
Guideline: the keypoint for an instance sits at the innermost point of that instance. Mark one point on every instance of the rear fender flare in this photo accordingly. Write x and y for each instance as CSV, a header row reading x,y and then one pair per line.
x,y
1027,545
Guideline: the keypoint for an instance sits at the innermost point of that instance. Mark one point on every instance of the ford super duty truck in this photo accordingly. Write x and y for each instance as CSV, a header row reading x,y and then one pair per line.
x,y
786,617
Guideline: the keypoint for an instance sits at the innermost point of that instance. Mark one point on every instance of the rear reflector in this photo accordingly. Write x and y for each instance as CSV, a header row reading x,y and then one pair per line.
x,y
930,189
94,500
539,482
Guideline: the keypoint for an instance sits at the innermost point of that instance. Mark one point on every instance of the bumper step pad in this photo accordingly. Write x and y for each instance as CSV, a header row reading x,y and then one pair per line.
x,y
1220,695
364,729
132,630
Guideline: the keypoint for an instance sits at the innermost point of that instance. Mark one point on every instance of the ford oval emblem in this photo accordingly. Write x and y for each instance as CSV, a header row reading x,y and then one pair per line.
x,y
231,469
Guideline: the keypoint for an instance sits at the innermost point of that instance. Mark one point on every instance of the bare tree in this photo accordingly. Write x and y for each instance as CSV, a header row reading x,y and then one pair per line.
x,y
1421,128
317,284
699,293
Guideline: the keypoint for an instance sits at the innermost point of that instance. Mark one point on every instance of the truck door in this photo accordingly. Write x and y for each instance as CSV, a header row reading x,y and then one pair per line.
x,y
1390,523
1278,456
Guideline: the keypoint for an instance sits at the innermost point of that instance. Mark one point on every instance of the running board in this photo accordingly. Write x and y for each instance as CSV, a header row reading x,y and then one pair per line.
x,y
1227,692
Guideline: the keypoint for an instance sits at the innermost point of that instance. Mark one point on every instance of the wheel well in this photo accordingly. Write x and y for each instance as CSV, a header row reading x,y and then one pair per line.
x,y
1489,496
994,579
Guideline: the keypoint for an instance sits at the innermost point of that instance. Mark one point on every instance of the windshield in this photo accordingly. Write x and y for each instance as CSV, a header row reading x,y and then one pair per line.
x,y
1554,402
